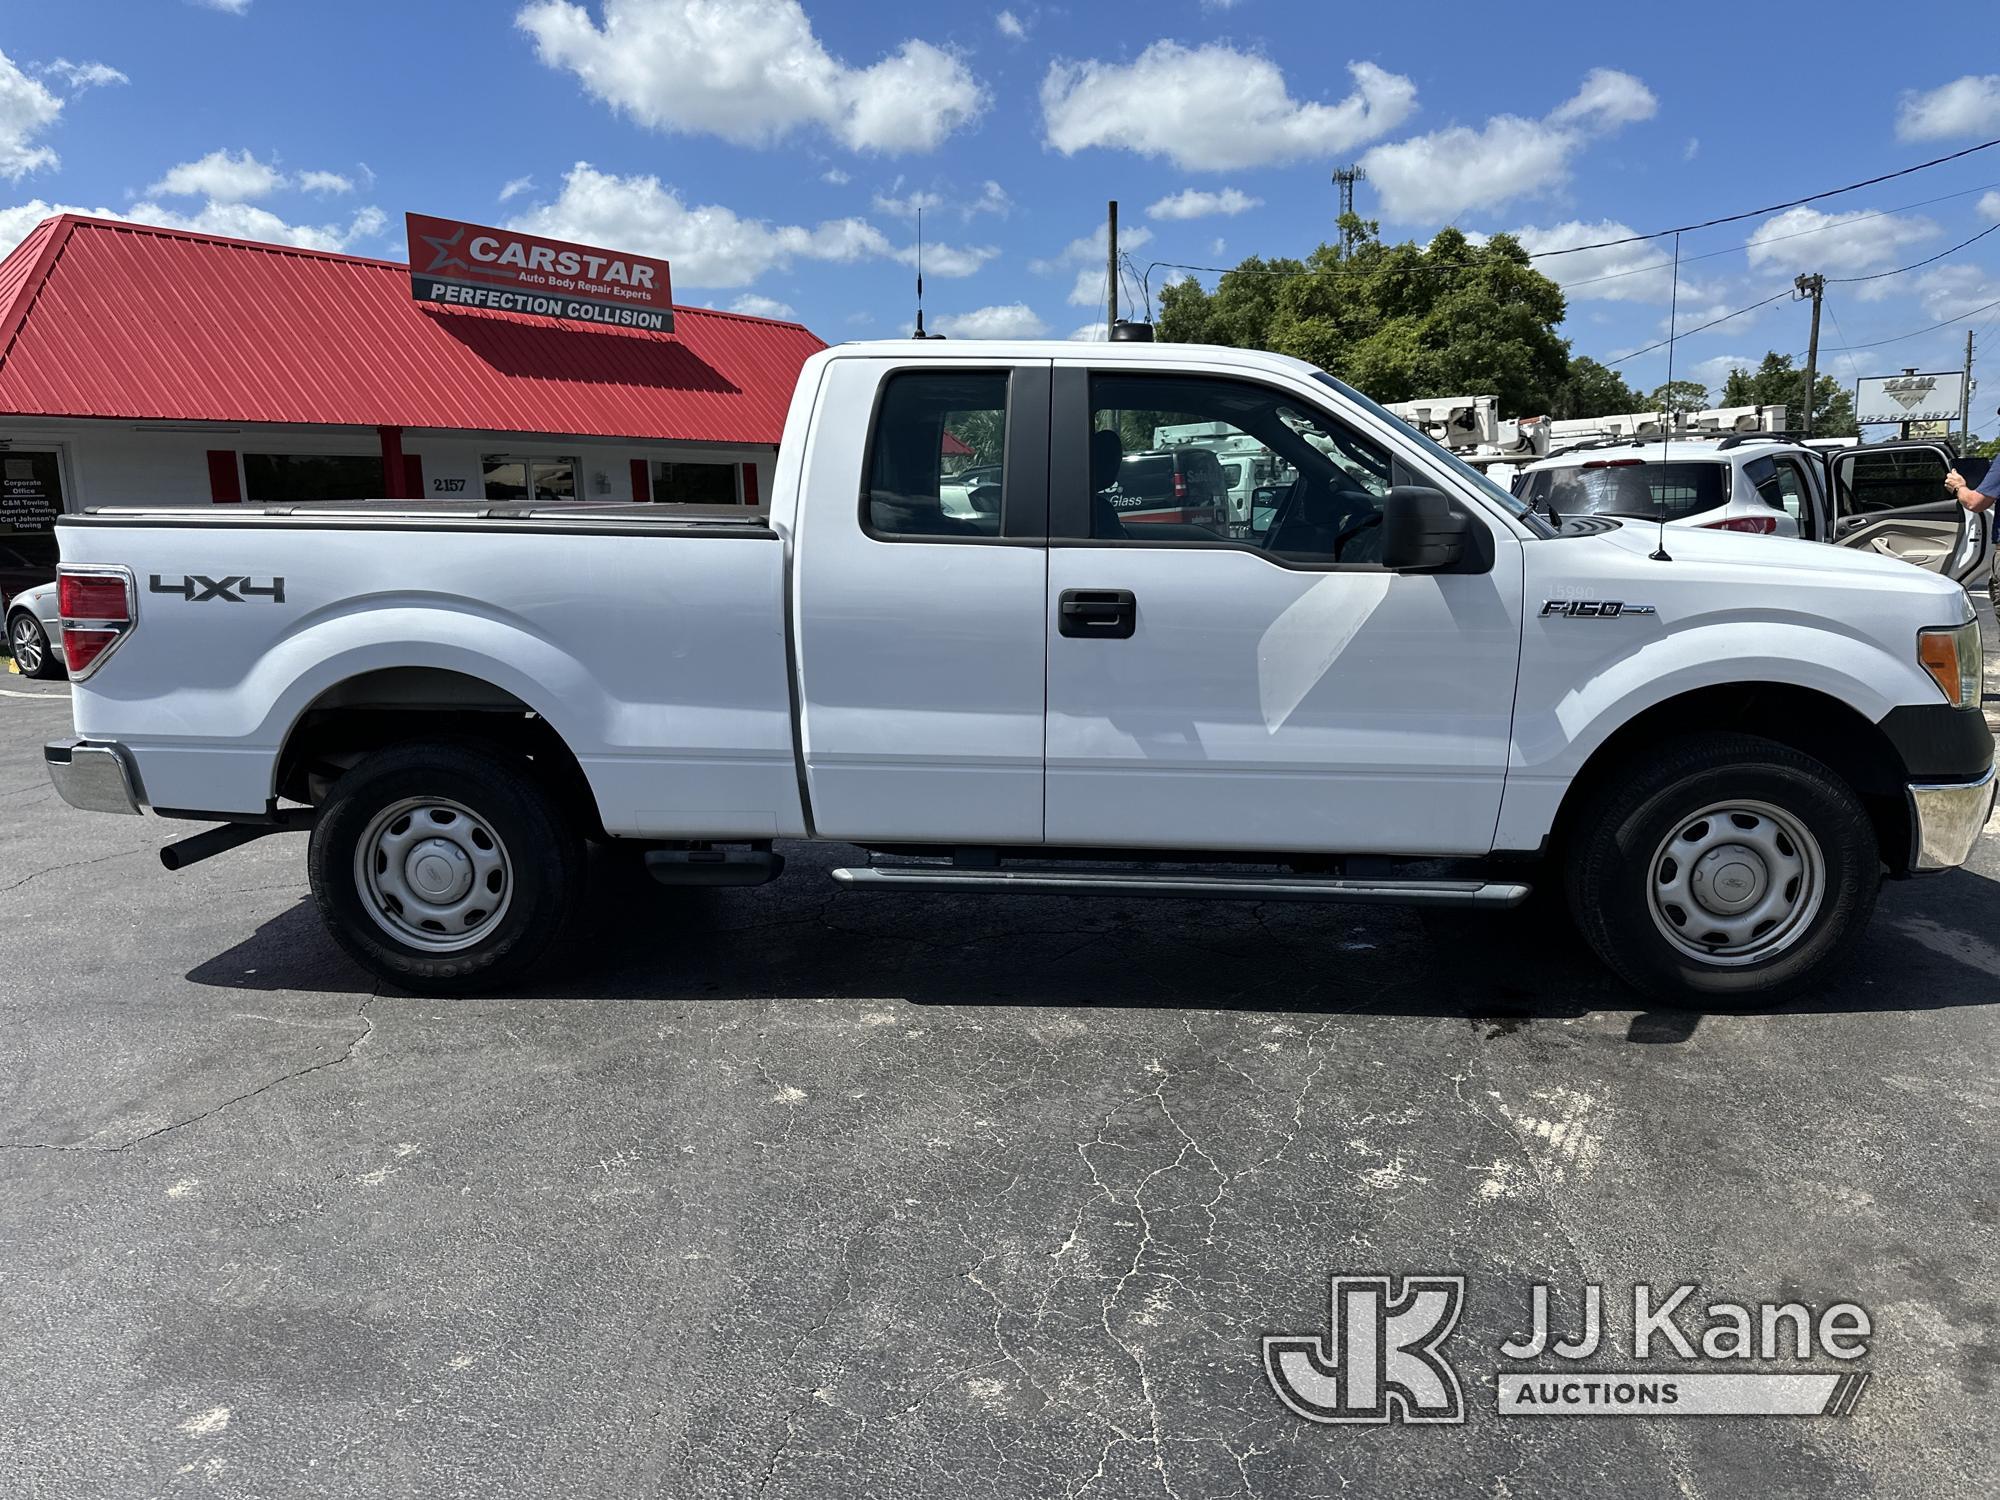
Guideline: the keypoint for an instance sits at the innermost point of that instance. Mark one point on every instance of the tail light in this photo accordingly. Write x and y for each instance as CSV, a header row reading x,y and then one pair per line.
x,y
1761,525
98,606
1180,485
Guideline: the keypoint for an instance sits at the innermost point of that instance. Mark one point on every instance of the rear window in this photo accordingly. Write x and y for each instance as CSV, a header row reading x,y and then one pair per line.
x,y
1148,475
1649,491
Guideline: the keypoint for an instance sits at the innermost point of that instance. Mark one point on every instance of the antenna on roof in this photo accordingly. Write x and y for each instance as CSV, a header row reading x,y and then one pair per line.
x,y
920,334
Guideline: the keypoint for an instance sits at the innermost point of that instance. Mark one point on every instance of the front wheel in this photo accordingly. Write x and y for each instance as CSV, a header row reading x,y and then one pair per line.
x,y
444,868
1723,868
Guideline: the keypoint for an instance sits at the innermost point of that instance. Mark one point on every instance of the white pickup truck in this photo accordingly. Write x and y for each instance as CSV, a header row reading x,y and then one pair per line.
x,y
1407,688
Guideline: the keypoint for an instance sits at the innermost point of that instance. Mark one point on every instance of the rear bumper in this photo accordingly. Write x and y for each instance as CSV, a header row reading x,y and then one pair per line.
x,y
1945,821
96,778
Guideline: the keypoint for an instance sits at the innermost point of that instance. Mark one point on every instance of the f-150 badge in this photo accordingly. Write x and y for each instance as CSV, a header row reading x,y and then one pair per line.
x,y
197,589
1594,609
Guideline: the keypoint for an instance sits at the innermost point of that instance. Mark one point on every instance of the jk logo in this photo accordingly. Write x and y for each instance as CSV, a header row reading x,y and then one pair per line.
x,y
1379,1359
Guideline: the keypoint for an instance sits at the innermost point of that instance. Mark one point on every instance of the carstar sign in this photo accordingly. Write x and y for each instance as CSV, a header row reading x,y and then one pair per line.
x,y
456,264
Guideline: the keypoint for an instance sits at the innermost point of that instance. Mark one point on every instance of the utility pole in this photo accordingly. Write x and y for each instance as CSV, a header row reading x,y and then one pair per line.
x,y
1111,271
1814,287
1965,398
1344,179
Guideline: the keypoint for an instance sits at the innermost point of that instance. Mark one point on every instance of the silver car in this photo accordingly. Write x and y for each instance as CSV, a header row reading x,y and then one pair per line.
x,y
33,634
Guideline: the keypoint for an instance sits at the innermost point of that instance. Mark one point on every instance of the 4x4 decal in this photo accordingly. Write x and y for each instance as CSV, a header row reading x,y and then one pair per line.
x,y
235,590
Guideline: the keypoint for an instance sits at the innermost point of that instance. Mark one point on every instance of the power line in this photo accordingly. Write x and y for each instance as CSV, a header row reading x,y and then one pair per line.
x,y
1626,358
1918,265
1755,213
1971,312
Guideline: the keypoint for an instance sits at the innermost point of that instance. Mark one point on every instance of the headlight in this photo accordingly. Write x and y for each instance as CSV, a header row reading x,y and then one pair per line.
x,y
1952,655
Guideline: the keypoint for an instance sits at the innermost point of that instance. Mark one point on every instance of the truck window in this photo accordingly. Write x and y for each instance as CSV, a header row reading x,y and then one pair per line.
x,y
1898,479
1629,487
935,456
1326,510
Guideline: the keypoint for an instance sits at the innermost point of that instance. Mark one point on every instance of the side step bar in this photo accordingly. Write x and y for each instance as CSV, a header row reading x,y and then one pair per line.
x,y
1492,895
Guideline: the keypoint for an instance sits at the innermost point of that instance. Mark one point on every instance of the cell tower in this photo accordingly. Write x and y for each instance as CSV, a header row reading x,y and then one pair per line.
x,y
1344,178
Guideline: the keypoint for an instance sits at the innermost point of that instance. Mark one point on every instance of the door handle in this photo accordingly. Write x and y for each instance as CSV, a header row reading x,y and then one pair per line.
x,y
1107,614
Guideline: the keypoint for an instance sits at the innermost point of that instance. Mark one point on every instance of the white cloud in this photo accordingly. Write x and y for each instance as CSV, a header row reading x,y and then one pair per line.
x,y
1091,333
1965,106
835,176
1219,247
233,7
515,186
1989,205
1213,108
1840,244
237,220
1194,203
1086,257
1714,372
1010,25
221,177
907,206
752,72
1619,273
1952,291
762,307
1606,100
1692,149
1448,172
325,183
84,75
711,245
1014,320
992,199
27,108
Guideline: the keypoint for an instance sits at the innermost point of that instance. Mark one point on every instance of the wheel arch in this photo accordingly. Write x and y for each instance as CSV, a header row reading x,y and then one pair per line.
x,y
1812,722
385,706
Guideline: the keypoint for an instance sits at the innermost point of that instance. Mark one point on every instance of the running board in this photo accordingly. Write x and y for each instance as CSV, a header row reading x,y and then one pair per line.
x,y
1492,895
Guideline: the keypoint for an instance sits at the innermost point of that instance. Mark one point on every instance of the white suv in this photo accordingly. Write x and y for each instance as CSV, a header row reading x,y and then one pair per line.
x,y
1884,497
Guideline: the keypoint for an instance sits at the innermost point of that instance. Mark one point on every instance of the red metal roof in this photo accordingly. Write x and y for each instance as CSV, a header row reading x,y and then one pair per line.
x,y
105,319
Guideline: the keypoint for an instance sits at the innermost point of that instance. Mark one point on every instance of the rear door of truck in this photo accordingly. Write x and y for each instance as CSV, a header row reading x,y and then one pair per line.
x,y
920,630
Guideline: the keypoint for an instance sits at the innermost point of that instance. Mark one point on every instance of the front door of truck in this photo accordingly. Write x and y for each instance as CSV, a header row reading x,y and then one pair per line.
x,y
918,601
1208,691
1889,498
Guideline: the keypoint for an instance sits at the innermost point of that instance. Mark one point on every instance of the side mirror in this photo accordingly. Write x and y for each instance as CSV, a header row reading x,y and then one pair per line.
x,y
1422,531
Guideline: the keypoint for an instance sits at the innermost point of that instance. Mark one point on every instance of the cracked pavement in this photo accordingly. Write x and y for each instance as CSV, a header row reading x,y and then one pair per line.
x,y
796,1193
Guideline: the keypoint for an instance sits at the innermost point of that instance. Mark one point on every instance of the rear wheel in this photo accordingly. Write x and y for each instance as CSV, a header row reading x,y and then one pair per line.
x,y
444,868
30,645
1723,868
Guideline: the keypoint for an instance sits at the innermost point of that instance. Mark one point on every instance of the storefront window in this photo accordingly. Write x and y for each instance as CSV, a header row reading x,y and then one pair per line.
x,y
540,479
30,501
288,478
694,484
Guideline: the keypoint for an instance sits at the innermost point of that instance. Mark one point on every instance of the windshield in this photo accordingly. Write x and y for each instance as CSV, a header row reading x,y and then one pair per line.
x,y
1627,487
1498,494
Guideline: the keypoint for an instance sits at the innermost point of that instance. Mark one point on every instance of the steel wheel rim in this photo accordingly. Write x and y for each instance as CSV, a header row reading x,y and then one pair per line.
x,y
433,874
1736,883
27,645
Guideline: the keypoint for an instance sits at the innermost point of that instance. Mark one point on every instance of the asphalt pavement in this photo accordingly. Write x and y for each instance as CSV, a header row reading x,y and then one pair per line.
x,y
798,1193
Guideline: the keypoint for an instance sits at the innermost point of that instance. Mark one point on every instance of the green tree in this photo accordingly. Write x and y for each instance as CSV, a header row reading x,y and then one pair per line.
x,y
1778,380
1589,389
1398,321
1679,395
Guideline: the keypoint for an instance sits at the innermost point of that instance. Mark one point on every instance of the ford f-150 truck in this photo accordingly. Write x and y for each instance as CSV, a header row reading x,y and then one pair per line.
x,y
1406,687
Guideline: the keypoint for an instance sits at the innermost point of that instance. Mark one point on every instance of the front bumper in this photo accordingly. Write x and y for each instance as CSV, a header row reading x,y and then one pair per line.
x,y
1945,821
96,778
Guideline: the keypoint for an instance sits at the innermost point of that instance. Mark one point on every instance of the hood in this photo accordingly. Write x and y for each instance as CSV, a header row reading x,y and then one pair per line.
x,y
1710,549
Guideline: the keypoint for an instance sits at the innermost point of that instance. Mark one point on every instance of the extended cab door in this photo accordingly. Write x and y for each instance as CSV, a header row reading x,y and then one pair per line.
x,y
1890,498
918,607
1276,692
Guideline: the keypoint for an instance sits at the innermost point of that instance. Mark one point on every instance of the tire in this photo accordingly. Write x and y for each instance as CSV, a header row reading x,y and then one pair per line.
x,y
1723,837
444,868
30,643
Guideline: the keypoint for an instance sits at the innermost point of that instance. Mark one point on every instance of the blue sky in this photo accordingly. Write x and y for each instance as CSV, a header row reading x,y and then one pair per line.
x,y
774,150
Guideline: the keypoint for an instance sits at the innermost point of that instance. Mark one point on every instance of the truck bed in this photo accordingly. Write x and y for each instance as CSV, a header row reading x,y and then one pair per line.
x,y
652,640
